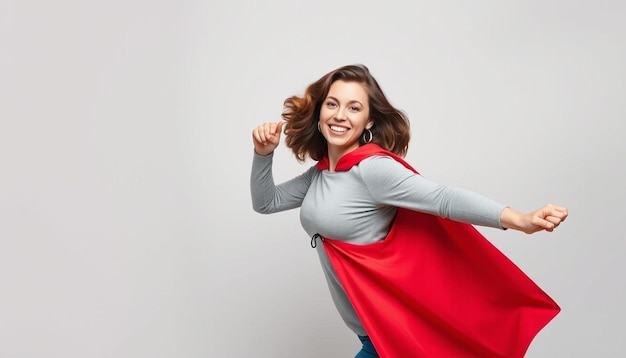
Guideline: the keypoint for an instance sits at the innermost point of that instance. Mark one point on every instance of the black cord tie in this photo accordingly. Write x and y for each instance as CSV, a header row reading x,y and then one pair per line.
x,y
314,240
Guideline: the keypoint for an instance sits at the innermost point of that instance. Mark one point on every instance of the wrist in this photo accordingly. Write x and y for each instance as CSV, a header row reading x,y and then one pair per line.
x,y
263,154
510,219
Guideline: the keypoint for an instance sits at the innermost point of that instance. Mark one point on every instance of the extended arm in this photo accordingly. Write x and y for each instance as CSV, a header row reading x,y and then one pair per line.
x,y
392,184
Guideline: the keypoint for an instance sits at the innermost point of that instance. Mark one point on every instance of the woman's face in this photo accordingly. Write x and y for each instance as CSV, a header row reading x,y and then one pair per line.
x,y
344,116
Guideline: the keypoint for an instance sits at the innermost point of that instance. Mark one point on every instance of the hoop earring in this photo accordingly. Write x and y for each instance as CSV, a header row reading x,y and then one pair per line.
x,y
371,136
318,126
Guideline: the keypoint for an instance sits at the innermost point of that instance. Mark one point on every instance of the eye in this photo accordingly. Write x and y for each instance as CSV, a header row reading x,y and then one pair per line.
x,y
331,104
355,109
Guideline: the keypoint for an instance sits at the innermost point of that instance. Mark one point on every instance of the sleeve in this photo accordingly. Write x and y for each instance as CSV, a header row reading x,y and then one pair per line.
x,y
390,183
269,198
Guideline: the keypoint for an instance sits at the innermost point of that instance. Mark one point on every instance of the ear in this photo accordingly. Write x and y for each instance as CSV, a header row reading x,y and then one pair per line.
x,y
369,124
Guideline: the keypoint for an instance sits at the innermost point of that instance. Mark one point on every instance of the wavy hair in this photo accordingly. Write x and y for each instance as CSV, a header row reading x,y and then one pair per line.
x,y
391,128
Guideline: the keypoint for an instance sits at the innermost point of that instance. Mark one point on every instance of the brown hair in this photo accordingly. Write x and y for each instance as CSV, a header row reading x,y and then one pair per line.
x,y
391,128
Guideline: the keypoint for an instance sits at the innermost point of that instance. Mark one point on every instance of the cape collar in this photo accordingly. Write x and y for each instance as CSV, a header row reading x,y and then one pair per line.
x,y
353,158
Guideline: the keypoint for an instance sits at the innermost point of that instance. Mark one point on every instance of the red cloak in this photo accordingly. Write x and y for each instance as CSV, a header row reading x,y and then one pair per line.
x,y
436,287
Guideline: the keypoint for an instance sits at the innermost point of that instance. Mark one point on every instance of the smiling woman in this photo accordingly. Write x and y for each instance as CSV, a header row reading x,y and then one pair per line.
x,y
391,259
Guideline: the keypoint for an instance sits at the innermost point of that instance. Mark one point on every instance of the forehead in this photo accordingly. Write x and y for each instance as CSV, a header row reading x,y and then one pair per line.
x,y
348,90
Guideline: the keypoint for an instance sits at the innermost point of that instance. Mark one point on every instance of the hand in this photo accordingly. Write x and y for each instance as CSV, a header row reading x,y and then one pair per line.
x,y
546,218
266,137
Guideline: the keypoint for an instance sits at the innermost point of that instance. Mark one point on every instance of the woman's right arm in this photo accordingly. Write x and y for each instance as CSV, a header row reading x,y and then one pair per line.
x,y
266,196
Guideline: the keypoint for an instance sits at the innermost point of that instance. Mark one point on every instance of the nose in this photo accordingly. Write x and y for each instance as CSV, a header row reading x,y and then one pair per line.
x,y
340,114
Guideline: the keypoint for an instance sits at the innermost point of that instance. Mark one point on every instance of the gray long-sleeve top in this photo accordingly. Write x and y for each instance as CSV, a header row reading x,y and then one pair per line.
x,y
359,205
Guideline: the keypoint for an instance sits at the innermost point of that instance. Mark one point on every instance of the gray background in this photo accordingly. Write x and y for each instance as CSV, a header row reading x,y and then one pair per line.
x,y
126,228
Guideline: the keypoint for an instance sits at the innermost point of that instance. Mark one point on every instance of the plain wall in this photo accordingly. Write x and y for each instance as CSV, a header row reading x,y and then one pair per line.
x,y
126,227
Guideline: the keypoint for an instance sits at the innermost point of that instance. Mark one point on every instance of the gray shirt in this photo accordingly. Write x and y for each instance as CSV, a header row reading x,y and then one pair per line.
x,y
359,205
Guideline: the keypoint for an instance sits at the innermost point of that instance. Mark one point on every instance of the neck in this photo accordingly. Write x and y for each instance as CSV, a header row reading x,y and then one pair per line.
x,y
334,154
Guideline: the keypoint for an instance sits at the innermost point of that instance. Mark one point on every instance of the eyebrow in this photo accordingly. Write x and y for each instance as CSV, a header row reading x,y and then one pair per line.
x,y
350,102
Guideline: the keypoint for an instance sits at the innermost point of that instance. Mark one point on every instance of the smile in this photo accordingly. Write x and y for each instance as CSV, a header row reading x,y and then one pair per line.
x,y
338,129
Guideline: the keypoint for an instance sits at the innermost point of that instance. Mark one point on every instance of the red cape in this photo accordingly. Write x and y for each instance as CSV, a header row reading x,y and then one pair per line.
x,y
437,288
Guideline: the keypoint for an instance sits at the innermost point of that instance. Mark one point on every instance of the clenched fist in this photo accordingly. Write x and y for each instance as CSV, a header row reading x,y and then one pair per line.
x,y
266,137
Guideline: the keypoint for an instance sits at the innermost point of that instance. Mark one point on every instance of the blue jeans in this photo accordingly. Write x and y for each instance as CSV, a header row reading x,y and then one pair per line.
x,y
368,350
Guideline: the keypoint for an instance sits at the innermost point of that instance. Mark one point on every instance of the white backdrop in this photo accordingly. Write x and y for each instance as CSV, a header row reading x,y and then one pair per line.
x,y
126,227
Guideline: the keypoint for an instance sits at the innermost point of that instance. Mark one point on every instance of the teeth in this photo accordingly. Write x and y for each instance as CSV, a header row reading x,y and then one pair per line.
x,y
338,129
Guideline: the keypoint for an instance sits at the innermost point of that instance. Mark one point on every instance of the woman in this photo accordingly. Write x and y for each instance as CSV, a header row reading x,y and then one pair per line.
x,y
339,115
